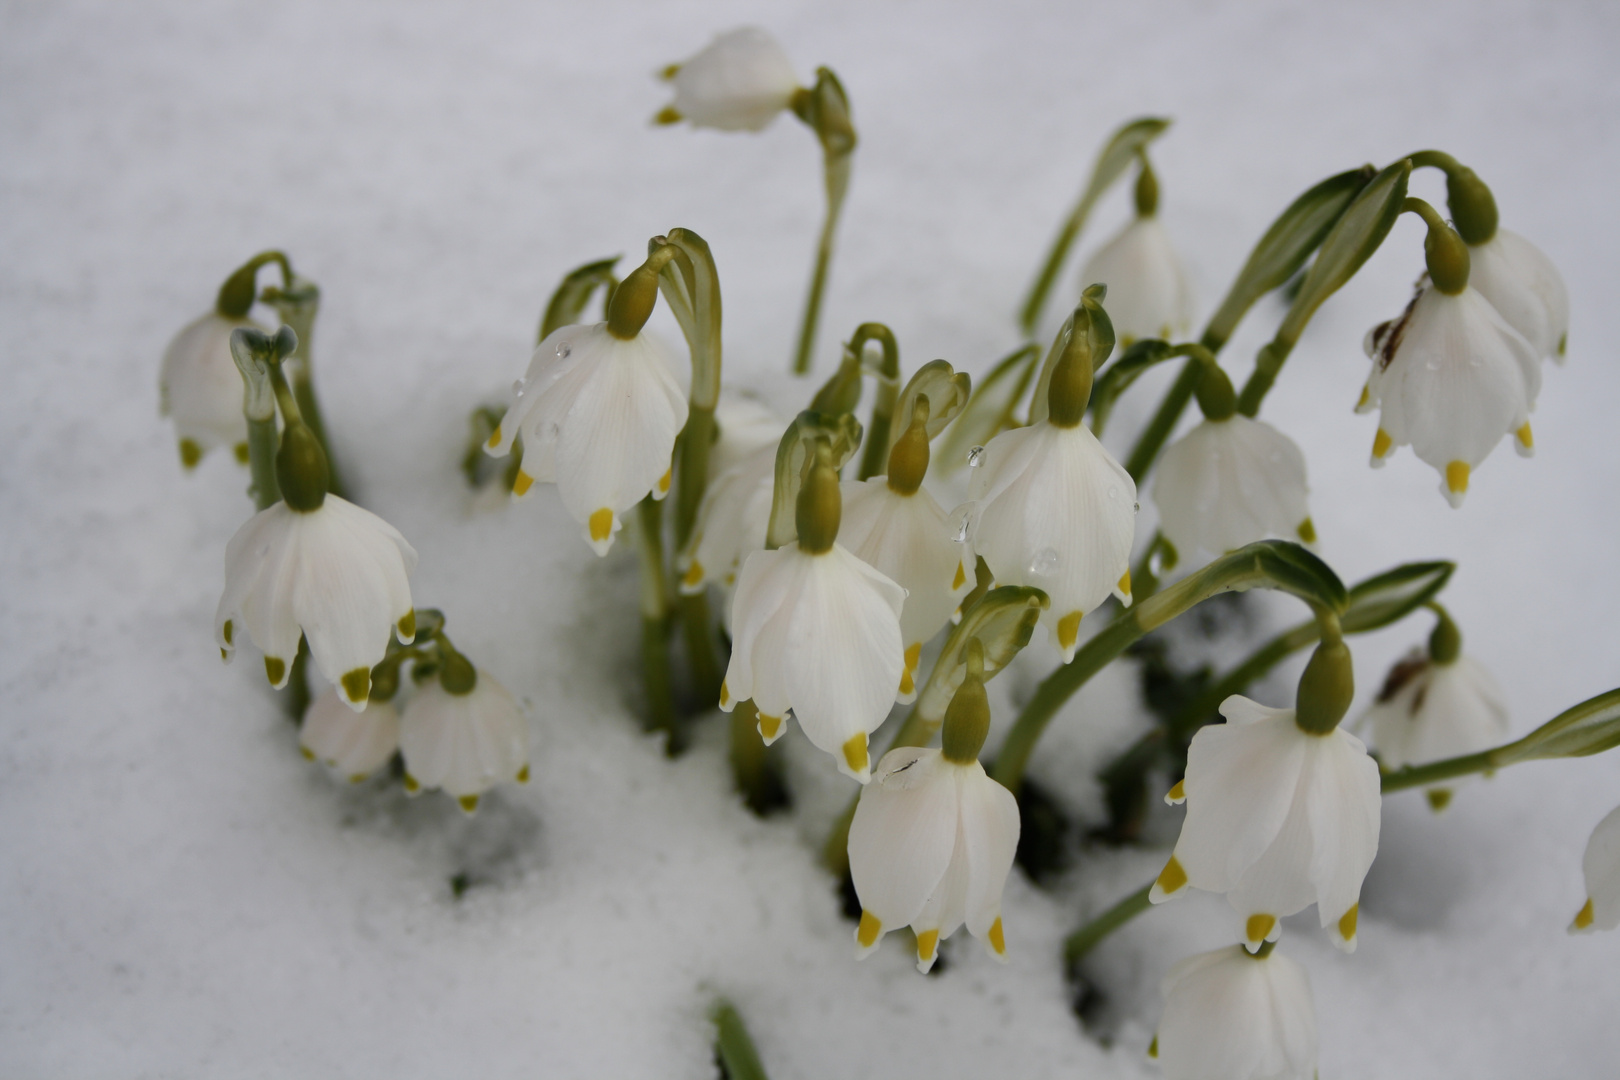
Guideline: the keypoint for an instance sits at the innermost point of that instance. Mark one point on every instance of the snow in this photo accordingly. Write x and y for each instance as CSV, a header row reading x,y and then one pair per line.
x,y
182,895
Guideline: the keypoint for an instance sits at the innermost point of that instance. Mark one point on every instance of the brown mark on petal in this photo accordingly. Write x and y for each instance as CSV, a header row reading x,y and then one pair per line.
x,y
1387,336
1400,675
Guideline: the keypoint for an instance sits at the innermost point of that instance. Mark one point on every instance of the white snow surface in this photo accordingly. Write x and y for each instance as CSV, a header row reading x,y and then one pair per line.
x,y
182,895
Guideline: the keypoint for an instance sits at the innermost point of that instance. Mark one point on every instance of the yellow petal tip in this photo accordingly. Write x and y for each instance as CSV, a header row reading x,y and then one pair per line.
x,y
1259,927
1457,477
1069,630
522,483
601,524
855,755
1584,918
869,931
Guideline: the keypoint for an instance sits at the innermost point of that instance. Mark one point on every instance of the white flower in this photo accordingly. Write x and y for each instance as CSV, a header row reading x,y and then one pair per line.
x,y
1227,483
1428,711
930,847
745,424
1147,290
1602,869
1450,377
1232,1016
732,522
353,745
463,743
907,538
336,575
818,634
599,416
200,388
739,82
1057,512
1525,288
1277,819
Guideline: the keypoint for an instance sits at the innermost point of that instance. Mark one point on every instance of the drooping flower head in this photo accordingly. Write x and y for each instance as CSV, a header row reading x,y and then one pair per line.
x,y
933,837
1601,866
201,390
731,523
740,81
1147,288
599,411
1525,288
816,631
353,745
1232,1016
463,732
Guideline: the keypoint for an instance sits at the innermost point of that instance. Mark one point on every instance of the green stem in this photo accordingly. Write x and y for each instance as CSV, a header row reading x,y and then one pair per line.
x,y
298,696
1077,944
262,443
750,767
837,168
733,1047
875,455
1154,436
692,455
698,631
655,622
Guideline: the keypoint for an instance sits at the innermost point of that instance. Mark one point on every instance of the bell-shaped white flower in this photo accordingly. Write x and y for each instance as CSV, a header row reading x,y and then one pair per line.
x,y
1147,289
731,523
930,847
1055,511
353,745
1602,870
740,81
599,414
336,575
1450,377
1525,288
466,742
817,631
1232,1016
1277,819
1428,711
200,388
1227,483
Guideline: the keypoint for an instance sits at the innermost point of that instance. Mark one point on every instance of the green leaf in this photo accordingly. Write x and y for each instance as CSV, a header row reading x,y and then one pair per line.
x,y
1297,232
1297,570
733,1046
794,455
1588,728
1391,596
1117,155
574,293
1003,621
989,410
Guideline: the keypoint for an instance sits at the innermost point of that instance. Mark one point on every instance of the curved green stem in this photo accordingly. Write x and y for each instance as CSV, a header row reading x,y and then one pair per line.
x,y
875,455
1077,944
837,178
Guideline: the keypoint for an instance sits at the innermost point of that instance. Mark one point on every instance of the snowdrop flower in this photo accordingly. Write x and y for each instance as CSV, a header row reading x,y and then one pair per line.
x,y
1437,705
463,732
353,745
740,81
1602,869
1054,510
1147,289
599,410
816,630
732,522
1232,1016
1450,376
1231,481
898,528
933,836
1278,818
200,388
316,566
1525,288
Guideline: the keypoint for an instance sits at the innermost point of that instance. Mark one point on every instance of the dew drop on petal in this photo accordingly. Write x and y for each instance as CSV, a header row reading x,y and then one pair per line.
x,y
975,457
961,522
1045,562
564,351
1136,508
1113,492
517,388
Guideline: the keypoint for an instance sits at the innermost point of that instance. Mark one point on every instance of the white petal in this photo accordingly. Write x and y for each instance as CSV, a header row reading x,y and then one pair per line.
x,y
464,743
1147,290
1343,801
906,538
200,384
739,82
1525,287
903,833
1601,867
1228,483
1229,1015
990,828
353,745
768,580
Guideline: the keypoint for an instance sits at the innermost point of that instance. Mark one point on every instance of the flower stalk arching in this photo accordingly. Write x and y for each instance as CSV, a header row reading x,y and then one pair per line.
x,y
874,457
824,107
298,302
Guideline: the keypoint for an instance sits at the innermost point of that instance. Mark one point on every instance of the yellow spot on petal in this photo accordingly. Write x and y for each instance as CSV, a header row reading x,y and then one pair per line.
x,y
1259,926
1584,917
522,483
495,437
997,939
1366,396
1179,792
927,941
867,933
412,785
669,72
242,455
1068,630
1381,443
855,753
1347,922
663,481
1307,531
961,576
1125,583
913,654
190,453
1526,440
523,775
229,630
468,803
669,114
357,683
601,524
223,655
309,755
407,625
357,777
769,726
1172,878
694,575
1153,1047
274,668
1457,477
725,694
1439,798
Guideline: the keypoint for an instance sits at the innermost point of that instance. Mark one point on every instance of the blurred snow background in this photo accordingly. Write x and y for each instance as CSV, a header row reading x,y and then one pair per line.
x,y
182,895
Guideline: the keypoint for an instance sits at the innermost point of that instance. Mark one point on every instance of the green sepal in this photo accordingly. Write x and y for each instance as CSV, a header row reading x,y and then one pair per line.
x,y
947,390
1002,621
1122,148
1298,231
795,455
691,287
574,292
990,409
1391,596
1088,333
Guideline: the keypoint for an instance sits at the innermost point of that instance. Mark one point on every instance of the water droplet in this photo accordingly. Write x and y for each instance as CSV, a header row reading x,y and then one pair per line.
x,y
564,351
1136,508
975,457
961,522
1113,492
1045,562
517,388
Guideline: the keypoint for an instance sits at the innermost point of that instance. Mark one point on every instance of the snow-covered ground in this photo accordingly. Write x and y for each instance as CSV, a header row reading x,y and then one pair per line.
x,y
182,895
